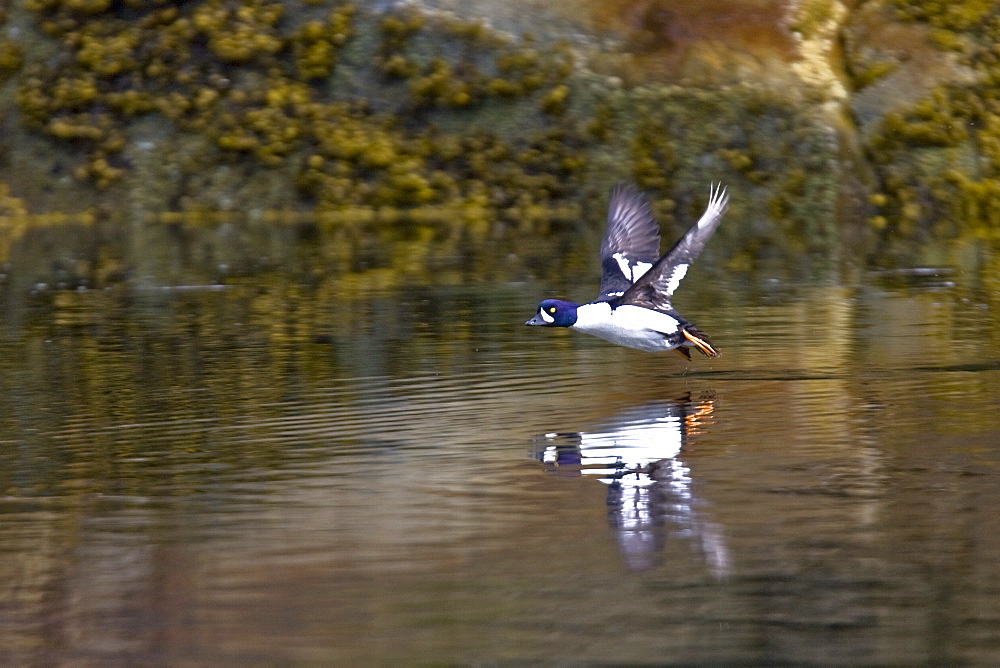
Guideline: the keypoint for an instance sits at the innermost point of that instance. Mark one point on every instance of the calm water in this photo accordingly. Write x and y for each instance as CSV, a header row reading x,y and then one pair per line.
x,y
267,474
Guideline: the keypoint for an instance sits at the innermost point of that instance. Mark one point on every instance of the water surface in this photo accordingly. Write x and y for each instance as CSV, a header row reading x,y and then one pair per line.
x,y
263,473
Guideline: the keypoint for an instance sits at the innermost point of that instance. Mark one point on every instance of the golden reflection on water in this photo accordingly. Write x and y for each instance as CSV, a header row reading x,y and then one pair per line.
x,y
269,472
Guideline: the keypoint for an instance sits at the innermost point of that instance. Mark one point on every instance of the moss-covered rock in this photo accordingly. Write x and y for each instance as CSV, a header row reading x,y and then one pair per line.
x,y
926,103
830,120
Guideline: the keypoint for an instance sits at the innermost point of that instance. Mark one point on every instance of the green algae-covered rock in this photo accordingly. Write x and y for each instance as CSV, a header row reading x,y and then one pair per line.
x,y
926,101
831,122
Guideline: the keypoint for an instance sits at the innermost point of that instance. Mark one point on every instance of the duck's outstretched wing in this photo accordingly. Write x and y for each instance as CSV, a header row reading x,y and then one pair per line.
x,y
631,244
656,286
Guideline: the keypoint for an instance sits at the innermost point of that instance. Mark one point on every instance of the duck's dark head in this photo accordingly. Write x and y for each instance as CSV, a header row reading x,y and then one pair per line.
x,y
554,313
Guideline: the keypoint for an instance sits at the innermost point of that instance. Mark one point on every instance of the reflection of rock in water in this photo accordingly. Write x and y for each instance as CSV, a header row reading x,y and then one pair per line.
x,y
650,489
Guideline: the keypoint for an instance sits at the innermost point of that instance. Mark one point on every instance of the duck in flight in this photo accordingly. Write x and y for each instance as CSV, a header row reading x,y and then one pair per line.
x,y
634,308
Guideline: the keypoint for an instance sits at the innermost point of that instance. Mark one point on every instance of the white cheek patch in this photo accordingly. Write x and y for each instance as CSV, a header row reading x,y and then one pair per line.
x,y
545,316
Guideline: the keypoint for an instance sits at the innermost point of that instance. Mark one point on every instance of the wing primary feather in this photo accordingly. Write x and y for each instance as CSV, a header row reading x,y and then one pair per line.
x,y
631,243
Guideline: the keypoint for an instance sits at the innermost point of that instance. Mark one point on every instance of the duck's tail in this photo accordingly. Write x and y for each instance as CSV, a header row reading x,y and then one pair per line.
x,y
698,340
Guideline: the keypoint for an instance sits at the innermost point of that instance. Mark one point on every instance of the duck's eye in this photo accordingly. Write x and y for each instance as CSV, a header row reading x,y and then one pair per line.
x,y
552,309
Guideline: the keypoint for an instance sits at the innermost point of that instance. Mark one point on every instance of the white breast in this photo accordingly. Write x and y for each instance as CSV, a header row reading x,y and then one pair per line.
x,y
631,326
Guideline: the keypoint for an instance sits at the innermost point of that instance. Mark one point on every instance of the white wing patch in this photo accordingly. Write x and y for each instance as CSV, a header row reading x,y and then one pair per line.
x,y
639,269
630,271
623,265
545,316
676,276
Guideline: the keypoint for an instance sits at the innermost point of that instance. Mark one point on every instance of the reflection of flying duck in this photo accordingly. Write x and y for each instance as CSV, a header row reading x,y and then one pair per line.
x,y
650,489
637,284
